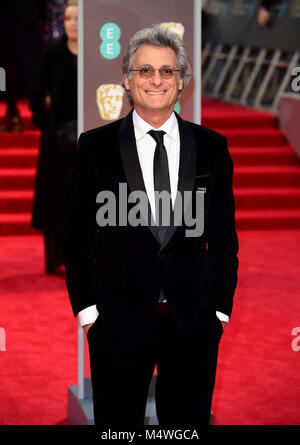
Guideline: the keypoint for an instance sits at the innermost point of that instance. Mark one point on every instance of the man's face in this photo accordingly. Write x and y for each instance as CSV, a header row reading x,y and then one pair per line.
x,y
155,94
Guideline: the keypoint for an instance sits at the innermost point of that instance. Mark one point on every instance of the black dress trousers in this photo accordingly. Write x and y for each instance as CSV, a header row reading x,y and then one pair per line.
x,y
121,371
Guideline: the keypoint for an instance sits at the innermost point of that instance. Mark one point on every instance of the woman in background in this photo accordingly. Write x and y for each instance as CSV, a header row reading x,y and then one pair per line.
x,y
54,106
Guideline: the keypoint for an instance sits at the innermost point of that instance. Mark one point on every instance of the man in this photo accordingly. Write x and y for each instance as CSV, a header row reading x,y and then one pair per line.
x,y
159,297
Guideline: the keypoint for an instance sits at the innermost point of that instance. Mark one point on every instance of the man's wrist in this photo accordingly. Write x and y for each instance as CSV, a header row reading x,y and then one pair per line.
x,y
86,327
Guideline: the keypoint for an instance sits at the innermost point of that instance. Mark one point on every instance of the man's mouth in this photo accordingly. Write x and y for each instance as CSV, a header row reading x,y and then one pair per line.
x,y
156,93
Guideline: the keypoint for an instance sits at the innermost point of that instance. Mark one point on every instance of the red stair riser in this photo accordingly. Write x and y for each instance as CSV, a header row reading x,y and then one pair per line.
x,y
17,229
237,139
229,122
264,158
267,202
17,183
266,224
279,179
23,139
18,160
22,205
26,123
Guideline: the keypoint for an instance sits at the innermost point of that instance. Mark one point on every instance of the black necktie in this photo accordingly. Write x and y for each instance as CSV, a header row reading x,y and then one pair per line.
x,y
161,179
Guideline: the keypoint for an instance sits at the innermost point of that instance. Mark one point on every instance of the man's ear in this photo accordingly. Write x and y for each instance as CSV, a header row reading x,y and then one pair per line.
x,y
180,84
126,82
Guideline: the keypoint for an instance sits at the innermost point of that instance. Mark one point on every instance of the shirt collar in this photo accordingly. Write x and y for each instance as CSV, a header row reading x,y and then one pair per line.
x,y
142,127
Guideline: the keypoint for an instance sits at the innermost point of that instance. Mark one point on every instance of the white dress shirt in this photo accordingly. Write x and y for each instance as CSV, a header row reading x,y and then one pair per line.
x,y
146,147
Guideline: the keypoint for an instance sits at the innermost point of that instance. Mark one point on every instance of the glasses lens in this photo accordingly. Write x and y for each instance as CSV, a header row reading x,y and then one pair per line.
x,y
146,72
166,73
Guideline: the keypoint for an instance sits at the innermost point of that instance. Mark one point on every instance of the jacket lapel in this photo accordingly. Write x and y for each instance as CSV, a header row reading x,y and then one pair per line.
x,y
187,169
132,168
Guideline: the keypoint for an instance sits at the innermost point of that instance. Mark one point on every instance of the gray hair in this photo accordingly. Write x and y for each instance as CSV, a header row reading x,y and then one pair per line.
x,y
158,36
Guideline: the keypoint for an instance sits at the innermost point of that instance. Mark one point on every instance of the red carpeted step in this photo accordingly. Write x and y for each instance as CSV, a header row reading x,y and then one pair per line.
x,y
280,155
17,178
18,157
27,138
268,219
16,224
25,115
23,108
16,201
26,123
229,120
254,137
266,169
267,198
266,176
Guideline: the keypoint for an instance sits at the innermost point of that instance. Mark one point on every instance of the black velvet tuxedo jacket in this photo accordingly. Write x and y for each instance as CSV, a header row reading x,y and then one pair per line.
x,y
121,269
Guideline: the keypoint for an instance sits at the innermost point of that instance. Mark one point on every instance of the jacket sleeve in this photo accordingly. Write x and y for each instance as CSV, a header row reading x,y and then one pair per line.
x,y
222,238
81,230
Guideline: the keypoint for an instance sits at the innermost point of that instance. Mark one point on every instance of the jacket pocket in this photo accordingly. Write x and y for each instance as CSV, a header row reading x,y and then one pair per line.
x,y
202,182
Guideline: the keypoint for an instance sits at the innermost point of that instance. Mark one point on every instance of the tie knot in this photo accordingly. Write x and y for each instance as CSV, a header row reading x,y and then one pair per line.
x,y
158,136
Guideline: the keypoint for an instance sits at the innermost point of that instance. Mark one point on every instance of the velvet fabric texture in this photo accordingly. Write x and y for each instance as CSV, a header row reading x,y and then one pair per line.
x,y
122,268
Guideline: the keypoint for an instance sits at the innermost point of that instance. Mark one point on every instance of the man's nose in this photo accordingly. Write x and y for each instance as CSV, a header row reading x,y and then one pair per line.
x,y
156,79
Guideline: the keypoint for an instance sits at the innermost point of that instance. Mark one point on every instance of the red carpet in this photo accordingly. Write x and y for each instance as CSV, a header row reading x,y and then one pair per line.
x,y
257,380
266,169
40,360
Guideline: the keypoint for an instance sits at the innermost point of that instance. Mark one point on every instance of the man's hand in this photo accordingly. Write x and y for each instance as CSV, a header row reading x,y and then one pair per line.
x,y
86,327
224,323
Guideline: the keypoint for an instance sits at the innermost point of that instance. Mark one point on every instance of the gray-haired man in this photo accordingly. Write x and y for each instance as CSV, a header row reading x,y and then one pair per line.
x,y
149,295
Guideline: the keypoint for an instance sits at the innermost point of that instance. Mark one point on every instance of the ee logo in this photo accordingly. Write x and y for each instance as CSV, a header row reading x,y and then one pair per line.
x,y
177,107
110,48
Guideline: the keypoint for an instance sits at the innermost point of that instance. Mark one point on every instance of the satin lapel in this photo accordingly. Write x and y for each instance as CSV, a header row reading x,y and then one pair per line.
x,y
131,164
187,169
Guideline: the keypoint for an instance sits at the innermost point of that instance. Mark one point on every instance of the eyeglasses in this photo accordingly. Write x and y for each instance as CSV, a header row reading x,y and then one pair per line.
x,y
147,72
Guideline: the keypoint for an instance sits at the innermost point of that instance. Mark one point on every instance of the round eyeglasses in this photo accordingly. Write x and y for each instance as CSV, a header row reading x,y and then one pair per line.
x,y
147,72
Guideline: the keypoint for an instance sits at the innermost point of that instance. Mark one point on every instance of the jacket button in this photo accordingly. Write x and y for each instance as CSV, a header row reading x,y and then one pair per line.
x,y
164,255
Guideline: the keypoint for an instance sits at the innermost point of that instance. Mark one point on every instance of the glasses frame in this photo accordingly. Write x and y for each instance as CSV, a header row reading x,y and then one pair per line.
x,y
154,70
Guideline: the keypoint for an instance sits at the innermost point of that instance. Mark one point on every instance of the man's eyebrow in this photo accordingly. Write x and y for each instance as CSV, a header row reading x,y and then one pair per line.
x,y
148,65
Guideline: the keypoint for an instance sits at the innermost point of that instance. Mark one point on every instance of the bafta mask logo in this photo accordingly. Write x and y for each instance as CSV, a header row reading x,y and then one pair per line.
x,y
2,79
178,28
110,101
